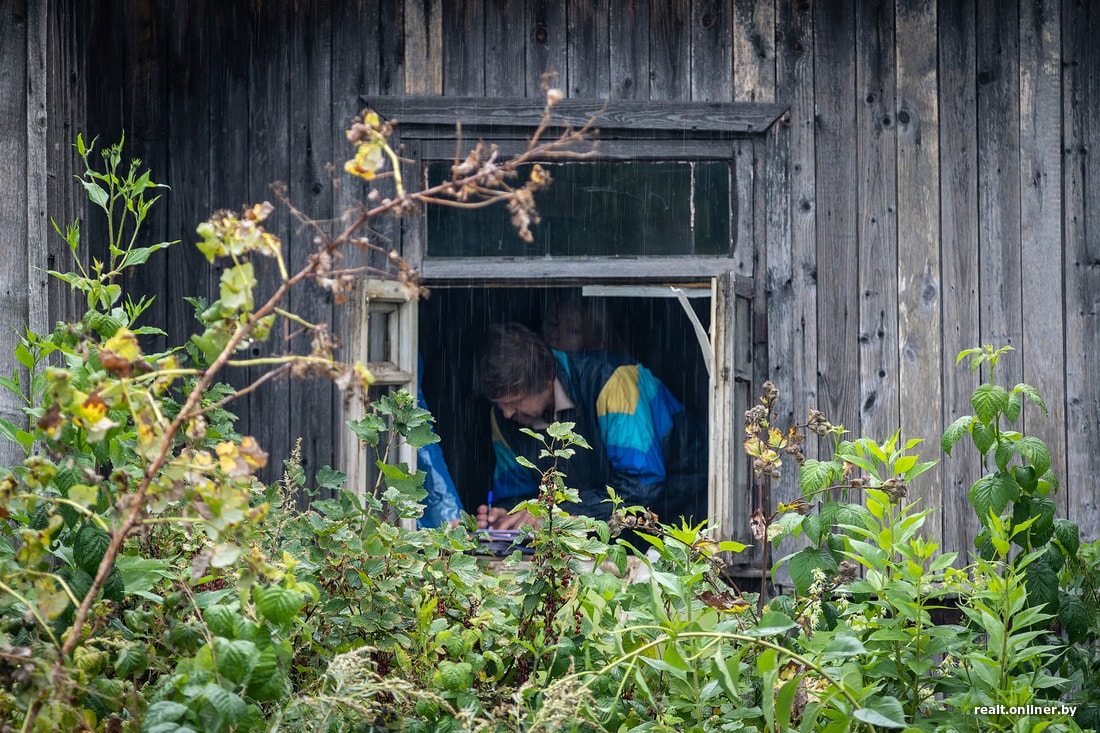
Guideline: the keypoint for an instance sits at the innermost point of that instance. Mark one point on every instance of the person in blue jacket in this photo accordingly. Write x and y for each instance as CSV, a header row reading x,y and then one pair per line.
x,y
644,443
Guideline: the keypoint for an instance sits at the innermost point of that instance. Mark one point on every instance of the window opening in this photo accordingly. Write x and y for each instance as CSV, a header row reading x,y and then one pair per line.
x,y
655,331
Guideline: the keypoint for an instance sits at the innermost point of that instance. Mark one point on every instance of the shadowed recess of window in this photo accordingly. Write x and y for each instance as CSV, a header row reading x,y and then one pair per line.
x,y
599,209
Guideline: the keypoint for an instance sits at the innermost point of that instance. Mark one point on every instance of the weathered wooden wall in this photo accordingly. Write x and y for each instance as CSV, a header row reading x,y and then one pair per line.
x,y
935,190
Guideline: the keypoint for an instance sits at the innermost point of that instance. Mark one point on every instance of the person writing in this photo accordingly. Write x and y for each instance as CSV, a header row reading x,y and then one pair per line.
x,y
644,443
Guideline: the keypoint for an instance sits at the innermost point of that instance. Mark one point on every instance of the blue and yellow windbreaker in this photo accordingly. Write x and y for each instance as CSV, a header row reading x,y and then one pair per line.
x,y
644,444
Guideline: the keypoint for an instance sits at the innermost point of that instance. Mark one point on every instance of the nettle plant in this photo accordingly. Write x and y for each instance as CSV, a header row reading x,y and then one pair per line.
x,y
869,574
1019,487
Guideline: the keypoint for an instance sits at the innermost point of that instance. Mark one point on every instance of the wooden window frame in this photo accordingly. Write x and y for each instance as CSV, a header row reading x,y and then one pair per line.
x,y
628,131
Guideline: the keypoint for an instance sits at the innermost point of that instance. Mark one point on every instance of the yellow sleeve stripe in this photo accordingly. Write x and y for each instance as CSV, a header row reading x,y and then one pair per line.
x,y
620,394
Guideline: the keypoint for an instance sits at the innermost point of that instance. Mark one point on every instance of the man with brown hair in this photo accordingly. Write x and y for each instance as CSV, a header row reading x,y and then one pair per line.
x,y
644,444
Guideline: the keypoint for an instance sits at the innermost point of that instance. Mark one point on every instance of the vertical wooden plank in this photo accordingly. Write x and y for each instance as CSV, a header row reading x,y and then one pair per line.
x,y
13,209
588,52
919,279
1081,89
145,124
629,41
958,175
877,223
35,127
711,51
271,55
744,199
423,41
793,332
505,44
67,113
791,307
754,51
837,248
389,47
1041,223
311,399
670,55
464,51
999,181
546,44
190,173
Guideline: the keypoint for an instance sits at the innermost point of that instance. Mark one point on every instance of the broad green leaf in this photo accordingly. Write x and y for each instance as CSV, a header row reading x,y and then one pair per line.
x,y
235,658
904,464
221,620
985,436
1032,394
816,475
1036,453
843,646
140,255
989,401
132,661
772,623
164,711
229,707
885,712
1068,535
329,478
991,493
90,547
1075,618
278,605
266,683
1042,586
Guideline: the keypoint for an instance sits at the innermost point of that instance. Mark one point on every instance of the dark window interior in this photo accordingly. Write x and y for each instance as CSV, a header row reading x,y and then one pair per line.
x,y
655,330
598,209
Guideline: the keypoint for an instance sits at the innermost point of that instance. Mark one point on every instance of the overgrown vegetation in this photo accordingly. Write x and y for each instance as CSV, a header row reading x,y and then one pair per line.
x,y
148,582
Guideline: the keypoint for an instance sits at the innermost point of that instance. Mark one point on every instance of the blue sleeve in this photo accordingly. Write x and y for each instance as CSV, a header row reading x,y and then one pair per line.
x,y
442,504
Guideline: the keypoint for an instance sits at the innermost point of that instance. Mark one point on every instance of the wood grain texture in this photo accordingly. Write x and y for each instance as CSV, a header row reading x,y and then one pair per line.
x,y
547,34
506,45
711,51
66,115
1082,262
38,230
588,58
422,40
754,50
877,153
14,146
919,279
146,29
998,141
190,139
1041,223
628,31
837,324
312,408
271,109
958,174
670,50
464,51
